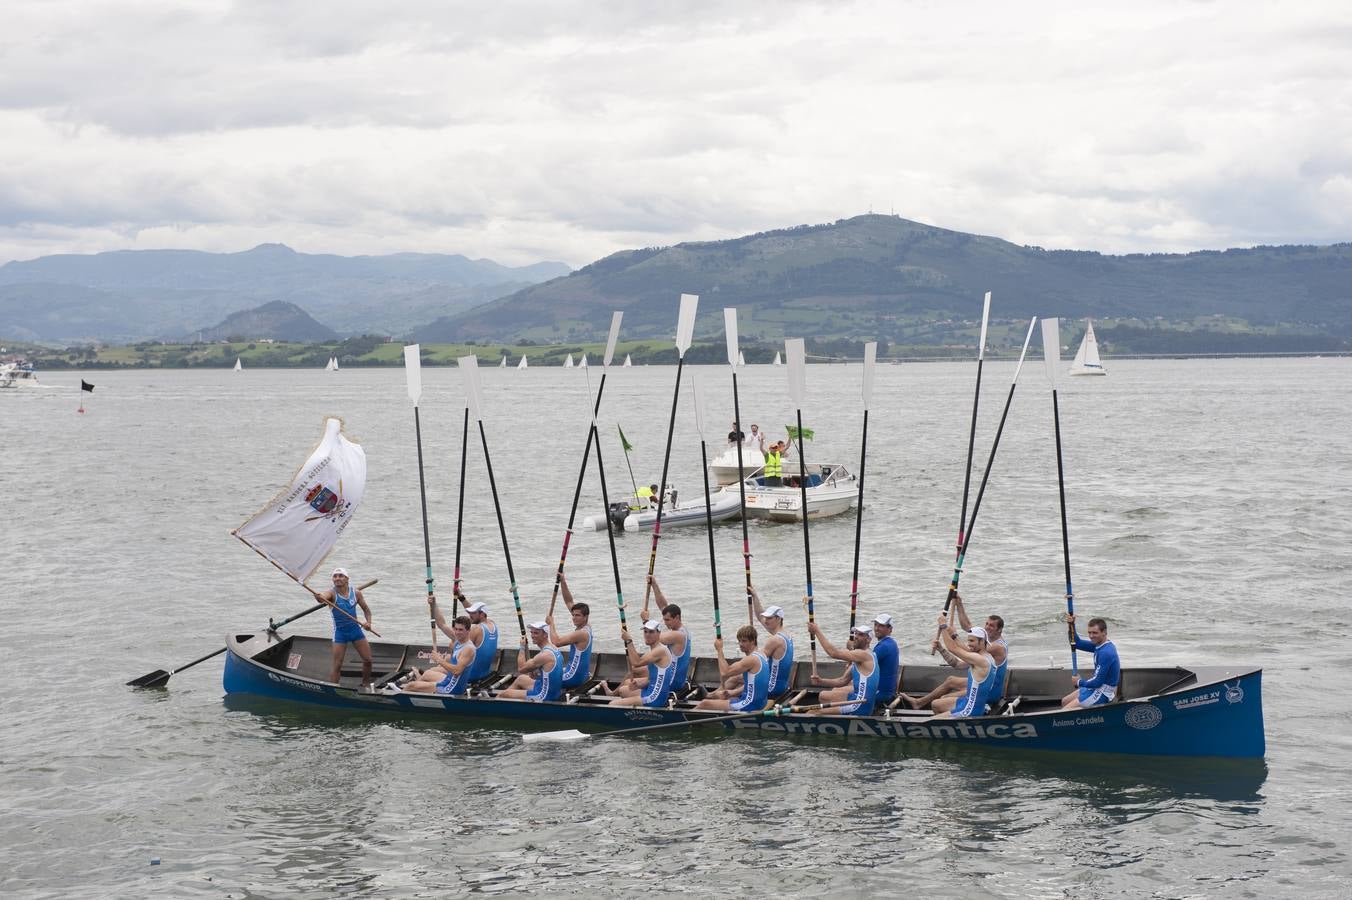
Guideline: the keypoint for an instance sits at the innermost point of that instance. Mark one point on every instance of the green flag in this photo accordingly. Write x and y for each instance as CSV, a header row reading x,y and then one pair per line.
x,y
793,432
623,442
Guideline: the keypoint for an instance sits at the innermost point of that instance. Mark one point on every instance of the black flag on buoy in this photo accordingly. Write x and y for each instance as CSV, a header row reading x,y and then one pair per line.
x,y
86,386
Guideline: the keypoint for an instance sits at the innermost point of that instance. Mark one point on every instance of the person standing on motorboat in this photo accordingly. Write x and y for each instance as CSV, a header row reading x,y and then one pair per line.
x,y
577,643
778,647
343,601
735,436
675,637
853,693
755,440
774,465
1101,687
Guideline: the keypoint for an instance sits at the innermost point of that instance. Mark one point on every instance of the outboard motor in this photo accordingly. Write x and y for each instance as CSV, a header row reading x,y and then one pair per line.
x,y
618,513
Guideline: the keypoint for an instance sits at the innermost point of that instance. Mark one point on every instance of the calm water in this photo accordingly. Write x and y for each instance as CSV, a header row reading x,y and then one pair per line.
x,y
1207,507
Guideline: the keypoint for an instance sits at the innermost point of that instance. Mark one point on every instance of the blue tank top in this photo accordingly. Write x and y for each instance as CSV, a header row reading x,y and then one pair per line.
x,y
682,663
755,687
998,686
485,654
578,669
865,689
348,604
452,683
660,683
781,668
549,685
973,702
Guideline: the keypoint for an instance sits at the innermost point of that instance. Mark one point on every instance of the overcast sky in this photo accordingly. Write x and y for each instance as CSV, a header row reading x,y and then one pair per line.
x,y
530,131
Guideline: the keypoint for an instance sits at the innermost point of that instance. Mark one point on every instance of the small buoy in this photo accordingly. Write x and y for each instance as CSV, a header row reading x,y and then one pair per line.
x,y
154,860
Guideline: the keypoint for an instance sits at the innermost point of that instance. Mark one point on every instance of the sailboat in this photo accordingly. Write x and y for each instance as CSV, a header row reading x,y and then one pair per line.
x,y
332,364
778,361
568,363
239,366
503,364
522,364
741,358
1087,360
628,363
583,364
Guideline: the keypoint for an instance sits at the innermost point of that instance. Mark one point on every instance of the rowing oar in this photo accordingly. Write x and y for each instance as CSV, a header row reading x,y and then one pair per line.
x,y
610,526
1051,352
971,440
985,476
413,376
460,516
685,330
797,366
701,415
734,354
474,392
771,713
159,677
586,455
870,357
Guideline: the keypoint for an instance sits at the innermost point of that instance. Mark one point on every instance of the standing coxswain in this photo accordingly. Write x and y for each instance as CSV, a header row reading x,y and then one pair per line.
x,y
343,601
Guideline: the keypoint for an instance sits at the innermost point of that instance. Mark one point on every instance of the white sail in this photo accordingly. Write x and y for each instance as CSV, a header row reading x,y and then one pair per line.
x,y
335,364
741,358
583,364
628,363
1087,360
778,361
503,364
568,363
239,366
522,364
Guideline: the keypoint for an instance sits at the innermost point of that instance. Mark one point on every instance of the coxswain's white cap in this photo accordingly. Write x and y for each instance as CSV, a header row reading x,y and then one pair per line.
x,y
884,619
652,625
538,626
979,633
476,607
340,571
774,611
862,629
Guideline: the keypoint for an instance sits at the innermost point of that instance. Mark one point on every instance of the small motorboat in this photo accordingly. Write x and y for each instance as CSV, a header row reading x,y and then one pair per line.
x,y
723,505
18,374
831,489
724,469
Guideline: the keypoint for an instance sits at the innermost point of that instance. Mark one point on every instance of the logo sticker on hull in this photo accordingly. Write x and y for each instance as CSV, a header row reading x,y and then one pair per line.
x,y
1143,718
1234,693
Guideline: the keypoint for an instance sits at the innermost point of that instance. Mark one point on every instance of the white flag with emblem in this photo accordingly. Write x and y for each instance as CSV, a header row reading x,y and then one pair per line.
x,y
300,525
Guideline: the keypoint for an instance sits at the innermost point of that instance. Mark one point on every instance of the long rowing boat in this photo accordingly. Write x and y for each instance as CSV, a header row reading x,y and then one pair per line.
x,y
1169,711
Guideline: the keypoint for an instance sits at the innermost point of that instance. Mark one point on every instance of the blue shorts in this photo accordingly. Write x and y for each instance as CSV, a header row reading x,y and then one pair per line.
x,y
655,699
1098,696
539,692
348,635
857,708
740,705
444,687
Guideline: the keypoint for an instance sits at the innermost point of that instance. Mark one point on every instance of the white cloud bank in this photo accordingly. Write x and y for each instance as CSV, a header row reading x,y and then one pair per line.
x,y
529,131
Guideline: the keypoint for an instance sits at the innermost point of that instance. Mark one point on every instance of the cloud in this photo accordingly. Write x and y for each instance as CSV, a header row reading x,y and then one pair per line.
x,y
522,131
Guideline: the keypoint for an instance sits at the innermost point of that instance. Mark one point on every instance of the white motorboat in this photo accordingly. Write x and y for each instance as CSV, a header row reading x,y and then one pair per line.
x,y
18,374
723,505
832,489
1087,360
723,467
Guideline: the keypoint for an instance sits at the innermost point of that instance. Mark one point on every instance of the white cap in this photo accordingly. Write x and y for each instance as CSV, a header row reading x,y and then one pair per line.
x,y
883,619
538,626
340,571
979,633
774,611
862,629
476,607
652,625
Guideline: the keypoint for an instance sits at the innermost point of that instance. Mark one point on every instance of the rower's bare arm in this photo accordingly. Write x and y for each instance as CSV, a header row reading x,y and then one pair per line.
x,y
567,594
462,661
963,620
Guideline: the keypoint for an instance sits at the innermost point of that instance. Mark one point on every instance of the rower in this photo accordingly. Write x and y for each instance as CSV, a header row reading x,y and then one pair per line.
x,y
889,659
578,642
547,684
778,646
1101,687
652,671
343,601
484,633
853,693
754,670
980,671
450,674
954,686
675,637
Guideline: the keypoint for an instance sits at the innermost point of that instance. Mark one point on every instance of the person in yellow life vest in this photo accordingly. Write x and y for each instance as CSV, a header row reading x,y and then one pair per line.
x,y
774,465
647,497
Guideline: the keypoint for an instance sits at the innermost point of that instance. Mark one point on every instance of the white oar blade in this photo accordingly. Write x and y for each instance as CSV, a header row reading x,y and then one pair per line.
x,y
570,735
1032,323
985,320
730,329
474,392
796,353
701,411
1051,347
870,358
685,324
413,371
614,336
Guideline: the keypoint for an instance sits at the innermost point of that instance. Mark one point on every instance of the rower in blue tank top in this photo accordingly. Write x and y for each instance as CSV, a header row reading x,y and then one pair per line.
x,y
576,644
754,669
853,693
675,637
539,678
778,646
484,632
450,673
343,601
653,671
980,670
